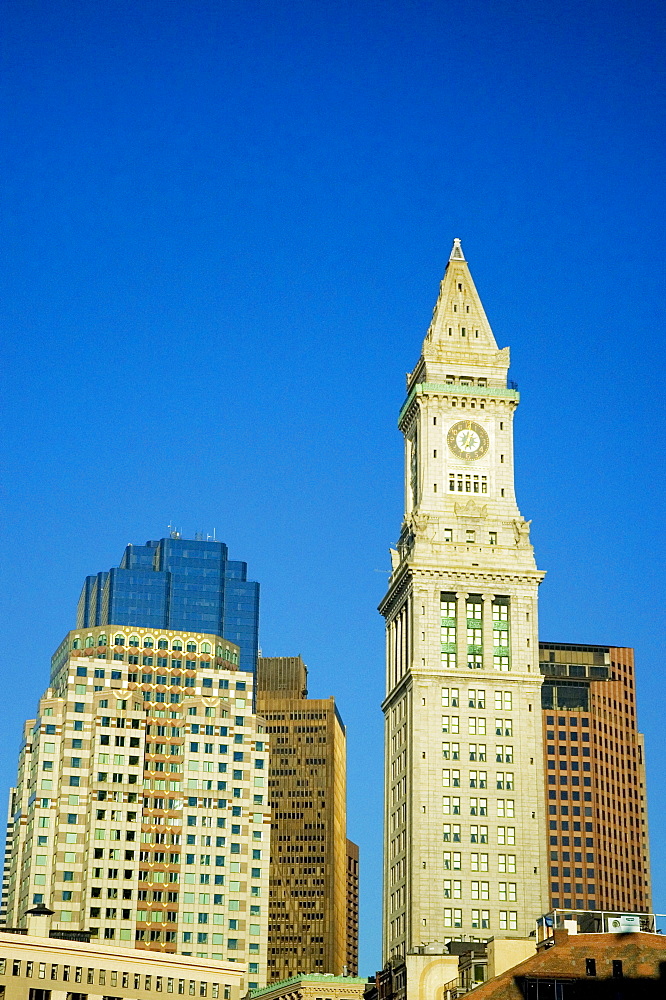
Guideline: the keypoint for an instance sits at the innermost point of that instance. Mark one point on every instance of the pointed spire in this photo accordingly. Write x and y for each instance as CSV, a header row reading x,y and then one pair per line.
x,y
459,323
457,251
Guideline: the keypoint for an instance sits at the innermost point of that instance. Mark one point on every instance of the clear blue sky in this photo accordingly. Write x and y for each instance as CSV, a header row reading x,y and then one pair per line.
x,y
224,228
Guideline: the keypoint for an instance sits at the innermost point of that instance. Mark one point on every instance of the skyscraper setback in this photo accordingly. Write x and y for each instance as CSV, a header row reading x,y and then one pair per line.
x,y
177,583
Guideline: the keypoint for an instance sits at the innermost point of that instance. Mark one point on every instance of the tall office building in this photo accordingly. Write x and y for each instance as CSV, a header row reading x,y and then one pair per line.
x,y
189,585
140,811
311,928
595,779
465,826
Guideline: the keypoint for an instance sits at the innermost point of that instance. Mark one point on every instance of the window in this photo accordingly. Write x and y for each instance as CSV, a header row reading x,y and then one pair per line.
x,y
450,697
508,920
451,805
501,611
479,862
477,751
492,537
506,835
503,701
507,892
447,605
451,833
476,726
451,724
476,698
480,890
452,861
451,751
478,834
452,889
474,607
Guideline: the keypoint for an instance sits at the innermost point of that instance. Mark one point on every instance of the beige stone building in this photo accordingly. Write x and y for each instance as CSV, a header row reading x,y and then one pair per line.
x,y
313,907
34,966
314,987
465,828
140,812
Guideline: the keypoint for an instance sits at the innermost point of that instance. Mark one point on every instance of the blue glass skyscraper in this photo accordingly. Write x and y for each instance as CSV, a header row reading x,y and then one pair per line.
x,y
177,583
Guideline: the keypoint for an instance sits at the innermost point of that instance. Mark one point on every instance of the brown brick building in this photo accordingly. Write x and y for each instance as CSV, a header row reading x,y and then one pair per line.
x,y
595,779
596,966
313,916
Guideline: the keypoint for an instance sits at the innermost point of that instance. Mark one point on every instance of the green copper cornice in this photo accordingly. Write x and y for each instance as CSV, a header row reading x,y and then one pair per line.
x,y
456,389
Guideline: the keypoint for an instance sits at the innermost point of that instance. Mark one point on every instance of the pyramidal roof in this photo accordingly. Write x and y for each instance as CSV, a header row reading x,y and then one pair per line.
x,y
459,322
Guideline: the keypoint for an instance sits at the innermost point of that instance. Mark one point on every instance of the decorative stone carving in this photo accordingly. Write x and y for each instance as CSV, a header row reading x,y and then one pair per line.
x,y
521,530
471,509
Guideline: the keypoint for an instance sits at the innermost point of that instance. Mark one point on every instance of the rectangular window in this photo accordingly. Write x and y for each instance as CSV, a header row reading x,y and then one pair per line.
x,y
451,724
450,697
452,861
447,604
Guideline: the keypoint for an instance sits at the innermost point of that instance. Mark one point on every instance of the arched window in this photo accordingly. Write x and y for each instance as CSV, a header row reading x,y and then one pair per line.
x,y
89,642
148,642
134,640
76,644
177,644
101,639
205,647
119,640
162,644
191,647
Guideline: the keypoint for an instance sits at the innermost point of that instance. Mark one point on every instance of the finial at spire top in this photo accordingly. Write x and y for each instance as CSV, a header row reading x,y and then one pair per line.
x,y
456,252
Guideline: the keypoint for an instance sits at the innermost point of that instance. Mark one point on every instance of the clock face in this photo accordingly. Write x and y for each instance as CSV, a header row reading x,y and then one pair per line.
x,y
467,440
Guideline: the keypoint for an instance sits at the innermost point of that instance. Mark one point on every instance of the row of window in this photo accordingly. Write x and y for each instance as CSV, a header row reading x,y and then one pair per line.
x,y
460,483
506,863
103,977
501,662
148,642
478,779
474,607
476,698
508,919
448,635
506,835
478,806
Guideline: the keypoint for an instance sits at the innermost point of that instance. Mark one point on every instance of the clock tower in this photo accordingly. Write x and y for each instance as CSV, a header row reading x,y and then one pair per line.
x,y
465,829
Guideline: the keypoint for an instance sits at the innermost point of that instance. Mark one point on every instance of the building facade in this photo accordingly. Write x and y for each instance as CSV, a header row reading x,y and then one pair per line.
x,y
140,810
309,911
189,585
353,885
465,827
595,779
314,987
40,967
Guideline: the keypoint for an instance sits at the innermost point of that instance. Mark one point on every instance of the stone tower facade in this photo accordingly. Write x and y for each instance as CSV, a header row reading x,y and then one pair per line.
x,y
465,826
